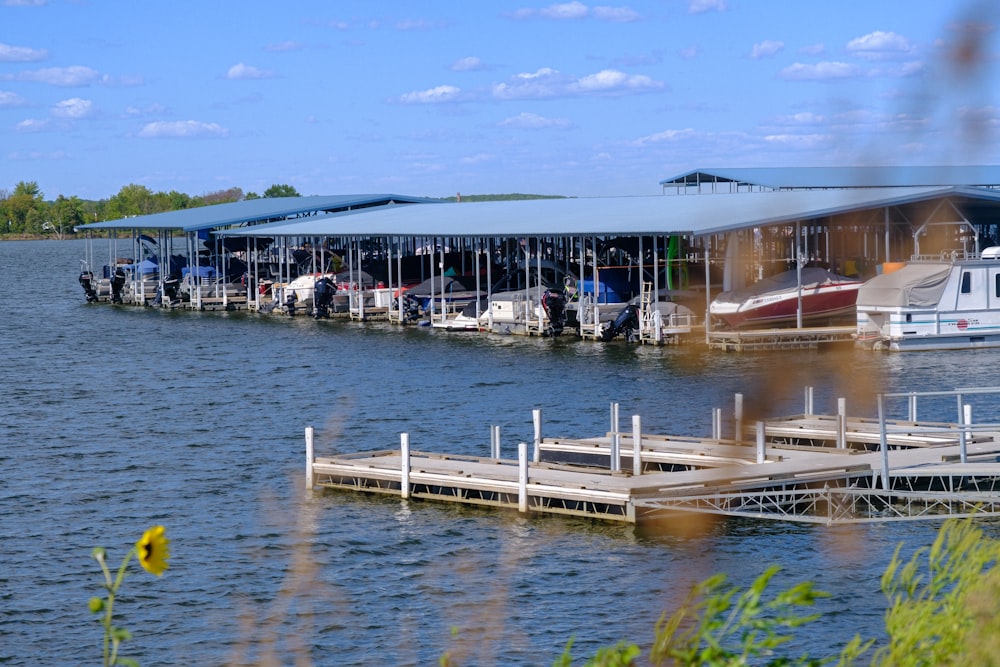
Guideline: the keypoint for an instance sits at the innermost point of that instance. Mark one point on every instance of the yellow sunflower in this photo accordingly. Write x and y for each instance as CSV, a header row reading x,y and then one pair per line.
x,y
152,550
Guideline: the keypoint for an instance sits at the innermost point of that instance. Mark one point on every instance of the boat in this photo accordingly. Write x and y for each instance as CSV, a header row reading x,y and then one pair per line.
x,y
945,304
774,301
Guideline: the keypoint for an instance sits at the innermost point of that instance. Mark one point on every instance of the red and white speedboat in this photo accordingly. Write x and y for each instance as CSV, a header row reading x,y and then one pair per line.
x,y
774,301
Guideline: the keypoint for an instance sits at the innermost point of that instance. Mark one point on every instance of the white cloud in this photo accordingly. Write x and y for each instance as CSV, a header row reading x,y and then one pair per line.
x,y
820,71
667,136
434,95
21,54
547,82
76,75
566,10
702,6
468,64
9,99
532,121
813,49
73,108
150,110
33,125
186,129
575,10
281,47
25,3
616,14
880,45
765,49
244,71
688,53
798,140
478,158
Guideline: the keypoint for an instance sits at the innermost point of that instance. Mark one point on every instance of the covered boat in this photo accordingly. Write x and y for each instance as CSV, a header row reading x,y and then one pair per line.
x,y
933,305
775,301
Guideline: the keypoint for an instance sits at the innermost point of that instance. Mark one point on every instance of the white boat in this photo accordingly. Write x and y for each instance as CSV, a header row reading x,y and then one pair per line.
x,y
950,303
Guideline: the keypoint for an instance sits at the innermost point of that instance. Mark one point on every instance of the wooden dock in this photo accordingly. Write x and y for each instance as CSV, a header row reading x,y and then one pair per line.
x,y
801,468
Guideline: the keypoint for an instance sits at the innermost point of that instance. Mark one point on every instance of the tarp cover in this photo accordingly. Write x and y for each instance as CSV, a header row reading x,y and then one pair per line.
x,y
914,285
781,282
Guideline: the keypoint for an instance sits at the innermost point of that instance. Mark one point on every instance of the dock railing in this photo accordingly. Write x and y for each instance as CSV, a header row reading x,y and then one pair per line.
x,y
963,419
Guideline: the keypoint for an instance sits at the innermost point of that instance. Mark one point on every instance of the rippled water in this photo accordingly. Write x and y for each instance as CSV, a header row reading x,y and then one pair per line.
x,y
115,419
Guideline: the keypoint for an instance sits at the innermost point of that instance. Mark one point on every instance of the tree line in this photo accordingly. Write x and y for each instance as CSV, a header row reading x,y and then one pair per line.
x,y
24,211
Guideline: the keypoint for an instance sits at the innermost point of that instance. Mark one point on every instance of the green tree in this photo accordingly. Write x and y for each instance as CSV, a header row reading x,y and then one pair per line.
x,y
65,214
25,208
131,200
281,191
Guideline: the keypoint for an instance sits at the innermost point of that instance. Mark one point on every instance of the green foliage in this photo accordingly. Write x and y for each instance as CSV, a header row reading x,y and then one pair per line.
x,y
719,625
281,191
943,602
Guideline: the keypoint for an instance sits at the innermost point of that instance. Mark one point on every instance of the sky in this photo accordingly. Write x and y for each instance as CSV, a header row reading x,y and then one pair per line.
x,y
436,98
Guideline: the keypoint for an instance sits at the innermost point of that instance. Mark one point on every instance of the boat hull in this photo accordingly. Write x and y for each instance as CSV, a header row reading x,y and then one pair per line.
x,y
827,302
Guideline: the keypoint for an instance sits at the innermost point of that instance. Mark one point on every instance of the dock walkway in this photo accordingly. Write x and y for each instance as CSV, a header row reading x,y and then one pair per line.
x,y
926,470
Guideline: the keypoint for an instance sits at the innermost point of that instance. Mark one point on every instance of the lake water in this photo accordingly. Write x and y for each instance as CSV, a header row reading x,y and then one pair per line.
x,y
115,419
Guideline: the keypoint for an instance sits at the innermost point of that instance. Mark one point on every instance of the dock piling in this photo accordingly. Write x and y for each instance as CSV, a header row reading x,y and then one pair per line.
x,y
522,477
310,458
404,476
738,413
761,447
841,423
716,423
495,442
614,417
536,418
808,408
616,452
636,445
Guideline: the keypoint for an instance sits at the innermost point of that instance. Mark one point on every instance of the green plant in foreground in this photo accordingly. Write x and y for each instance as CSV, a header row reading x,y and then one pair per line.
x,y
152,552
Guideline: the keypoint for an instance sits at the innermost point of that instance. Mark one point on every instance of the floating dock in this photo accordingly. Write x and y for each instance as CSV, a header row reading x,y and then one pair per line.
x,y
811,468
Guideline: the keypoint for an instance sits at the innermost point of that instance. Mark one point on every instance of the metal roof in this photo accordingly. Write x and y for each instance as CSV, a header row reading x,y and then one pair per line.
x,y
840,177
610,216
252,210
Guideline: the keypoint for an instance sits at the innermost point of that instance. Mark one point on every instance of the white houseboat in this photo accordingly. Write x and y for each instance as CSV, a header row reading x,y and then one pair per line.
x,y
951,303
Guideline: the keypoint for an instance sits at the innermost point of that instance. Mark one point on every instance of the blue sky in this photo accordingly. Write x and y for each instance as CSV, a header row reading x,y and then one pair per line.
x,y
433,98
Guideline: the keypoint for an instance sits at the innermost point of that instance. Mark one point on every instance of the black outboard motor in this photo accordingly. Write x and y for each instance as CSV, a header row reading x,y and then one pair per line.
x,y
627,321
554,303
171,290
290,300
323,292
87,283
117,285
411,308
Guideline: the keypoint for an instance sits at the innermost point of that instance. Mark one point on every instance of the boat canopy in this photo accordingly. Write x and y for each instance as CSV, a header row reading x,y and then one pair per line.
x,y
914,285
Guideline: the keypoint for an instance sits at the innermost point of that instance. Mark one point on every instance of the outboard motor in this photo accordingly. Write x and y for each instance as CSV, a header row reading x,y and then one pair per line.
x,y
411,308
323,292
627,321
290,299
87,283
117,285
171,290
554,303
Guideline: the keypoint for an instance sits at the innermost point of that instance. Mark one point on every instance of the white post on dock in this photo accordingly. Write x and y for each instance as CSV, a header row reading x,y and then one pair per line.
x,y
809,401
495,442
761,447
883,444
716,423
616,452
841,423
912,400
536,418
738,413
614,417
966,433
522,477
309,457
404,455
636,445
